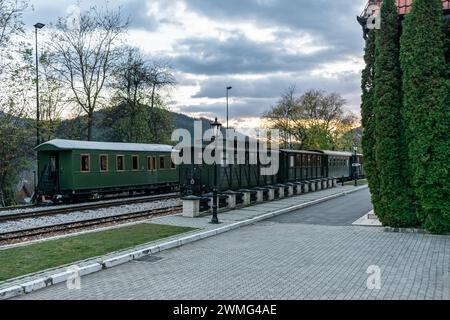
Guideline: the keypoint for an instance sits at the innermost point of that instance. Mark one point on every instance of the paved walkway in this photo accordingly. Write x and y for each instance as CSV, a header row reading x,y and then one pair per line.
x,y
339,212
288,260
227,218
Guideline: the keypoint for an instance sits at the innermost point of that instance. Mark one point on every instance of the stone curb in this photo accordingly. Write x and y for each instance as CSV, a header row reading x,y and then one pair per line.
x,y
41,283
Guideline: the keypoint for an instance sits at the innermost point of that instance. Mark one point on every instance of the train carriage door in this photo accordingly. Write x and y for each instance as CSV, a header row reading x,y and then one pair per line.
x,y
53,171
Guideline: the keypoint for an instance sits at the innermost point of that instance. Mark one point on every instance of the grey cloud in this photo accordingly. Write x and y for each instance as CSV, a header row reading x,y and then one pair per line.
x,y
240,55
333,21
48,11
248,107
274,86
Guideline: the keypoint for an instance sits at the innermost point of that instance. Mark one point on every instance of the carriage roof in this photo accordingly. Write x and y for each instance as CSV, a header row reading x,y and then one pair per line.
x,y
300,152
335,153
60,144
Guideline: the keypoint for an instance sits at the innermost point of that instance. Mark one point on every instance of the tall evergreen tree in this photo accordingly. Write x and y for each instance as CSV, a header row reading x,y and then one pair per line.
x,y
427,111
396,206
368,120
447,43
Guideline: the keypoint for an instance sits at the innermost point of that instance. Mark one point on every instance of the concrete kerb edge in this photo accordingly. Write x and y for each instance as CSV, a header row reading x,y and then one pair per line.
x,y
60,277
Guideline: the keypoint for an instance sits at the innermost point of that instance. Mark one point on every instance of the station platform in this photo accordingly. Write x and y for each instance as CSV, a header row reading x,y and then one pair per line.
x,y
228,221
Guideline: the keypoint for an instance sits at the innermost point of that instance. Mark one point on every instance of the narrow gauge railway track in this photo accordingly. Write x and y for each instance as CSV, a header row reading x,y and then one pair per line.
x,y
2,209
70,227
84,207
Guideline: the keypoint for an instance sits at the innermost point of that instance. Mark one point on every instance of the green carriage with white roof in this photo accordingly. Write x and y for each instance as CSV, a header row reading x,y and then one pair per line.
x,y
71,169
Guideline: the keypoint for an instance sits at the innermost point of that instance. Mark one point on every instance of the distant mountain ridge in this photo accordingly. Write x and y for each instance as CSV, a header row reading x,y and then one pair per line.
x,y
75,129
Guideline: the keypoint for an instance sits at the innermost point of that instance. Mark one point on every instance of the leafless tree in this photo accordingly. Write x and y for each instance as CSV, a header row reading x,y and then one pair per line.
x,y
131,87
11,25
287,116
15,81
313,120
85,49
10,19
131,78
160,76
53,97
138,113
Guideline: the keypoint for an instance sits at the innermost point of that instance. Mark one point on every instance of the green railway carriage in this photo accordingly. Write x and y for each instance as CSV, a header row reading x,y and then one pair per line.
x,y
340,164
297,165
79,169
199,178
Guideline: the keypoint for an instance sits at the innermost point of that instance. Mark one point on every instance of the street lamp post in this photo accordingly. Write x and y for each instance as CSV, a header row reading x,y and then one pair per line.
x,y
215,126
228,89
36,27
355,166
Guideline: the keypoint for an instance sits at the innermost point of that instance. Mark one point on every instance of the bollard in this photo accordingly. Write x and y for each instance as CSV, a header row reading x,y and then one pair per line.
x,y
231,200
318,185
324,183
247,196
281,191
330,183
191,207
298,189
290,190
312,186
259,196
305,187
334,182
271,194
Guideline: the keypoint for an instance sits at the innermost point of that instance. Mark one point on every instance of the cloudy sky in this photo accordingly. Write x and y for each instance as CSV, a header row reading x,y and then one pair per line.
x,y
260,47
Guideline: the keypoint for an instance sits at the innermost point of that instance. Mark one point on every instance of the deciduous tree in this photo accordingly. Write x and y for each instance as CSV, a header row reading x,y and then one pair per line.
x,y
84,49
15,82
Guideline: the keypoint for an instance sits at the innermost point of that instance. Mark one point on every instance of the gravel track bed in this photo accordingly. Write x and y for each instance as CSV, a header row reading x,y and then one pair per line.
x,y
66,206
10,226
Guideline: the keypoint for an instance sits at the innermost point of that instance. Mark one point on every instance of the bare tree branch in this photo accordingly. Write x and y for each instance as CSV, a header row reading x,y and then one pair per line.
x,y
85,55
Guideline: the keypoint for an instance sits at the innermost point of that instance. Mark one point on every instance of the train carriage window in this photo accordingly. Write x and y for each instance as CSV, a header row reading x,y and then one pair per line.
x,y
85,163
135,161
291,162
120,163
150,164
319,161
162,163
103,163
305,160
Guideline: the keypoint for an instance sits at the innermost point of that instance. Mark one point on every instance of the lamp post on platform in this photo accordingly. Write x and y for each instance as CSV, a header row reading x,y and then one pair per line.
x,y
36,27
215,126
355,165
228,89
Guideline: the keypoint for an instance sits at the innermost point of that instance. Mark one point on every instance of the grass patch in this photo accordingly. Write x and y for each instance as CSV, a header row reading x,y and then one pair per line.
x,y
20,261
